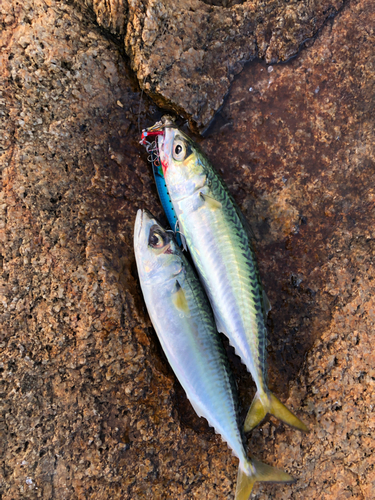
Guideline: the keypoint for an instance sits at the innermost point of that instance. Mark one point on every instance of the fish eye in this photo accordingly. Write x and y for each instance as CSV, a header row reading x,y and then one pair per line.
x,y
155,240
179,150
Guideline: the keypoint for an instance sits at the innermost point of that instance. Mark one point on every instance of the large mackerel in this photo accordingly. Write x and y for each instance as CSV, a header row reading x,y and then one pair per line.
x,y
219,242
183,321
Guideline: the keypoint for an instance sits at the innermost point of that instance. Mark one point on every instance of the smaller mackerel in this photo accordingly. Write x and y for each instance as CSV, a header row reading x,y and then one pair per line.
x,y
183,321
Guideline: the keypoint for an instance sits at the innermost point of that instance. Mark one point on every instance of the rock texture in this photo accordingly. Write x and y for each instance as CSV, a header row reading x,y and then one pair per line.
x,y
88,405
185,54
295,143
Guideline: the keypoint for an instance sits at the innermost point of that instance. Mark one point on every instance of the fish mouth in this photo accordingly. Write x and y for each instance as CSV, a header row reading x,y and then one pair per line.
x,y
144,220
138,227
143,217
157,129
158,141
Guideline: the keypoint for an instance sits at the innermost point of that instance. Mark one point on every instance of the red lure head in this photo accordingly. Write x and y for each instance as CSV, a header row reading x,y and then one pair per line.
x,y
146,134
153,133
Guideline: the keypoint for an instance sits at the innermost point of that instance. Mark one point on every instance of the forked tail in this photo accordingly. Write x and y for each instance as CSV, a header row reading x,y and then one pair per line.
x,y
270,404
258,471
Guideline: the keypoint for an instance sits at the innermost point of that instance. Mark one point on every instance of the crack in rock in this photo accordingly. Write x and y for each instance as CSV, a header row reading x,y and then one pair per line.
x,y
185,54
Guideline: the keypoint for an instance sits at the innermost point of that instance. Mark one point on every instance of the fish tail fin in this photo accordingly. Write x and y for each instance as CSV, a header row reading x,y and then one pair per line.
x,y
261,406
257,471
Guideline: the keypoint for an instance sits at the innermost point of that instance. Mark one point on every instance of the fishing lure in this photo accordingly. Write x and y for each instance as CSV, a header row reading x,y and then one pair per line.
x,y
165,199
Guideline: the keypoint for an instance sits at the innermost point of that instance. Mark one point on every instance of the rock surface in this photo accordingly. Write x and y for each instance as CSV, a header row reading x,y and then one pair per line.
x,y
186,53
89,406
296,144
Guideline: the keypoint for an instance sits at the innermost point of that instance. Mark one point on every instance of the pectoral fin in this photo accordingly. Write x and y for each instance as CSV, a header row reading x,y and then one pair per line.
x,y
179,299
210,202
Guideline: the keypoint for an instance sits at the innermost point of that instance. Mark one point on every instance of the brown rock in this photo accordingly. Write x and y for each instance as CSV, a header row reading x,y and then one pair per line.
x,y
185,54
89,406
295,143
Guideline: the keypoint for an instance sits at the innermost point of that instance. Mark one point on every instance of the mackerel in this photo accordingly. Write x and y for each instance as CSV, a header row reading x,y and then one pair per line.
x,y
219,242
183,321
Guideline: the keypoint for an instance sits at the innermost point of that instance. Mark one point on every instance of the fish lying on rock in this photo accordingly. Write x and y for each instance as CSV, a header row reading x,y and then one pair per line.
x,y
183,321
219,242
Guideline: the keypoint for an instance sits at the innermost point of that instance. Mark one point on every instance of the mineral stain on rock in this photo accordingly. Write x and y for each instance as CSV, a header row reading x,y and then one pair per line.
x,y
89,406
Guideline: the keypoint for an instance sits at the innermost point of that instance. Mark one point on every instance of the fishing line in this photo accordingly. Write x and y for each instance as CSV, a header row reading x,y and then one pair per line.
x,y
139,108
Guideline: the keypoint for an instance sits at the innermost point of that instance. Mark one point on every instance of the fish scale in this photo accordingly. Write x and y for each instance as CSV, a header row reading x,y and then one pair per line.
x,y
249,295
230,270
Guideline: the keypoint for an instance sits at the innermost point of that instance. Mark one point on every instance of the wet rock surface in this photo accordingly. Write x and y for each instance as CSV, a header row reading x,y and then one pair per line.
x,y
89,406
185,54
